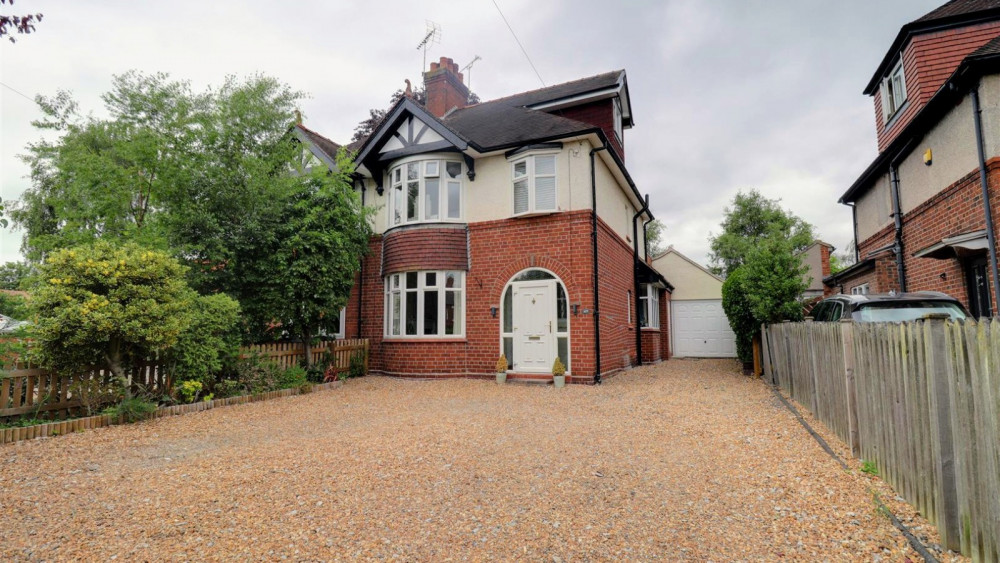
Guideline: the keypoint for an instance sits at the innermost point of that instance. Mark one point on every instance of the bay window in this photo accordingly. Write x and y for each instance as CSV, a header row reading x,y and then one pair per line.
x,y
649,306
425,190
534,183
425,304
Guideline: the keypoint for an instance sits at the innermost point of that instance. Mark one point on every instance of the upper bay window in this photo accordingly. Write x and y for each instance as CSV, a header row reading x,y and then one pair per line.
x,y
425,304
425,191
534,182
893,91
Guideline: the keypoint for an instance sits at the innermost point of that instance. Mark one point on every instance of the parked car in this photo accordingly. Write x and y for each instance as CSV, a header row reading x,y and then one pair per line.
x,y
887,307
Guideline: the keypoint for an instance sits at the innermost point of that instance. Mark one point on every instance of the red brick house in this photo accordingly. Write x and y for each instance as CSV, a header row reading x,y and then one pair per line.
x,y
509,226
919,213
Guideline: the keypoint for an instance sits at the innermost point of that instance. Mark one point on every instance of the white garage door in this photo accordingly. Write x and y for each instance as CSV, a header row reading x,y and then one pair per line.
x,y
701,330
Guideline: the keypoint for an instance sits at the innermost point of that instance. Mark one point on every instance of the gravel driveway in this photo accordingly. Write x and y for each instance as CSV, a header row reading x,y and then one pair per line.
x,y
684,460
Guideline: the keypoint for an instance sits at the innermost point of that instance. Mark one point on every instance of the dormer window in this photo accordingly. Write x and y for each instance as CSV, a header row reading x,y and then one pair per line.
x,y
425,190
893,93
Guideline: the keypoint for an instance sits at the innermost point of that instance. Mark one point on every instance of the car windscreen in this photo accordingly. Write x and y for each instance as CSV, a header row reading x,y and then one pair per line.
x,y
901,311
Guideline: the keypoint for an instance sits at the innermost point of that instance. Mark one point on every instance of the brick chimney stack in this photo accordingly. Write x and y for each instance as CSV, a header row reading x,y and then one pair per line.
x,y
444,87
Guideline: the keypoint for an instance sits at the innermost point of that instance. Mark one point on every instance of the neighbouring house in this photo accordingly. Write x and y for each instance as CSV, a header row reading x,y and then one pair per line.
x,y
925,210
816,257
506,227
698,325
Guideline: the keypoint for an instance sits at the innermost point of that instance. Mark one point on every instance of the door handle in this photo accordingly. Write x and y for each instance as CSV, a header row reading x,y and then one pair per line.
x,y
550,327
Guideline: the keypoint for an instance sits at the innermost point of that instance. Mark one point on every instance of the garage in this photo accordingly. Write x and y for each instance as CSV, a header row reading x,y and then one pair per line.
x,y
701,330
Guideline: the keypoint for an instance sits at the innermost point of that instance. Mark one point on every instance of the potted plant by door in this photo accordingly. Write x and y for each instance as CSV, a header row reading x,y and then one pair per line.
x,y
502,370
558,373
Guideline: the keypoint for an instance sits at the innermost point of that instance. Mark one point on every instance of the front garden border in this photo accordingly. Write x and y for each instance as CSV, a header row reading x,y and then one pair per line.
x,y
60,428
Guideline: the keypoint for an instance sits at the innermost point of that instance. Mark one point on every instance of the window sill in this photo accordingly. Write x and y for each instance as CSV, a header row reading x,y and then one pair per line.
x,y
534,214
651,329
425,339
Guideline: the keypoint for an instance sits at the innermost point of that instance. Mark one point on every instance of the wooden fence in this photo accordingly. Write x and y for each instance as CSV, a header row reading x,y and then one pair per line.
x,y
25,390
921,400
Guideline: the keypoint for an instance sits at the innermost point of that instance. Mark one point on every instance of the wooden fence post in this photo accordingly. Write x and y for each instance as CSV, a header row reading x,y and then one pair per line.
x,y
941,372
765,346
847,343
814,376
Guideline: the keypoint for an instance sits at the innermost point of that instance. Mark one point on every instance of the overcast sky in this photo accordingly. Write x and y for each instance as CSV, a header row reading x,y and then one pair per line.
x,y
726,95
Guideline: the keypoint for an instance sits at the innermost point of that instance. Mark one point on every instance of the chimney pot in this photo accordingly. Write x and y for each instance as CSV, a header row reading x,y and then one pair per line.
x,y
444,87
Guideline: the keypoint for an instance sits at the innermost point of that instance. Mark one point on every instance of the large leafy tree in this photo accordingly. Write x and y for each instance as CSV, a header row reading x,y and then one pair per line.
x,y
21,24
209,177
758,253
750,219
312,256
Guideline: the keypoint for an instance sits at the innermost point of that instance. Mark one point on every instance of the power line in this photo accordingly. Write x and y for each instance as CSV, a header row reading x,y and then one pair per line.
x,y
519,43
17,92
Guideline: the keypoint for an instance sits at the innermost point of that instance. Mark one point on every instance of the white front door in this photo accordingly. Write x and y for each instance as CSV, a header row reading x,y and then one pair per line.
x,y
534,326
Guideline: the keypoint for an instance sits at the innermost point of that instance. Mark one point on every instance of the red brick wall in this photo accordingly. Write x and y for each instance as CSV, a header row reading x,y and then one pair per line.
x,y
665,351
614,259
498,250
956,209
418,248
600,113
928,60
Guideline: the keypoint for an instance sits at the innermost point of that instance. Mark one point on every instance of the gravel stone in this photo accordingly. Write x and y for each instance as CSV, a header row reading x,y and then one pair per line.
x,y
685,460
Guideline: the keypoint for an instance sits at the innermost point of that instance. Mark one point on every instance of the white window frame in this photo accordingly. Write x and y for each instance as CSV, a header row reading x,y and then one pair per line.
x,y
862,289
529,160
628,306
893,92
649,300
396,284
617,116
428,168
342,325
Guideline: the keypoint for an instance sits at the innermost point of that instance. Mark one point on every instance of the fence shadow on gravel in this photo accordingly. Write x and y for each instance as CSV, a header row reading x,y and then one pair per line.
x,y
921,400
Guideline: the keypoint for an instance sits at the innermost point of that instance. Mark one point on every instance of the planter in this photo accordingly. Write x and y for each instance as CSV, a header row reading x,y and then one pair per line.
x,y
501,378
559,380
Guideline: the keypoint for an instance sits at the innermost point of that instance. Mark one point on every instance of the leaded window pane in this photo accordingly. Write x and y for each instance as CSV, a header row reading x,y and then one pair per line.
x,y
411,312
521,196
432,194
430,312
454,200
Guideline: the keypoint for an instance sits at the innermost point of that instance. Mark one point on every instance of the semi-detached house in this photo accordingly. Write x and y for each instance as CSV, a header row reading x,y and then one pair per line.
x,y
506,227
926,209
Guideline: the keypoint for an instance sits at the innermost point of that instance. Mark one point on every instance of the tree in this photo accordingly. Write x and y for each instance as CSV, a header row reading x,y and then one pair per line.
x,y
20,24
110,306
210,342
749,219
654,237
314,254
13,275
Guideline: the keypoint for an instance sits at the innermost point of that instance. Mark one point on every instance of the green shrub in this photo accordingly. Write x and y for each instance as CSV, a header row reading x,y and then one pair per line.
x,y
736,304
14,306
189,390
132,409
228,388
211,341
291,378
357,366
251,375
95,393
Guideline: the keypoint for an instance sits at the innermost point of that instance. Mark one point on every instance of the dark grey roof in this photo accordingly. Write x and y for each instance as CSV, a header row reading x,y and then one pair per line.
x,y
496,125
957,8
991,49
322,143
565,90
956,13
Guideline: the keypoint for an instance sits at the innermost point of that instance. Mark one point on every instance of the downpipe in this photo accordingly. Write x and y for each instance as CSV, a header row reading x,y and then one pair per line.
x,y
990,237
635,278
593,242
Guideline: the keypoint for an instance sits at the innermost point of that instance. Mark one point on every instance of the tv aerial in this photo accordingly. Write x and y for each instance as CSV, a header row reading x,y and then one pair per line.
x,y
467,69
432,37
